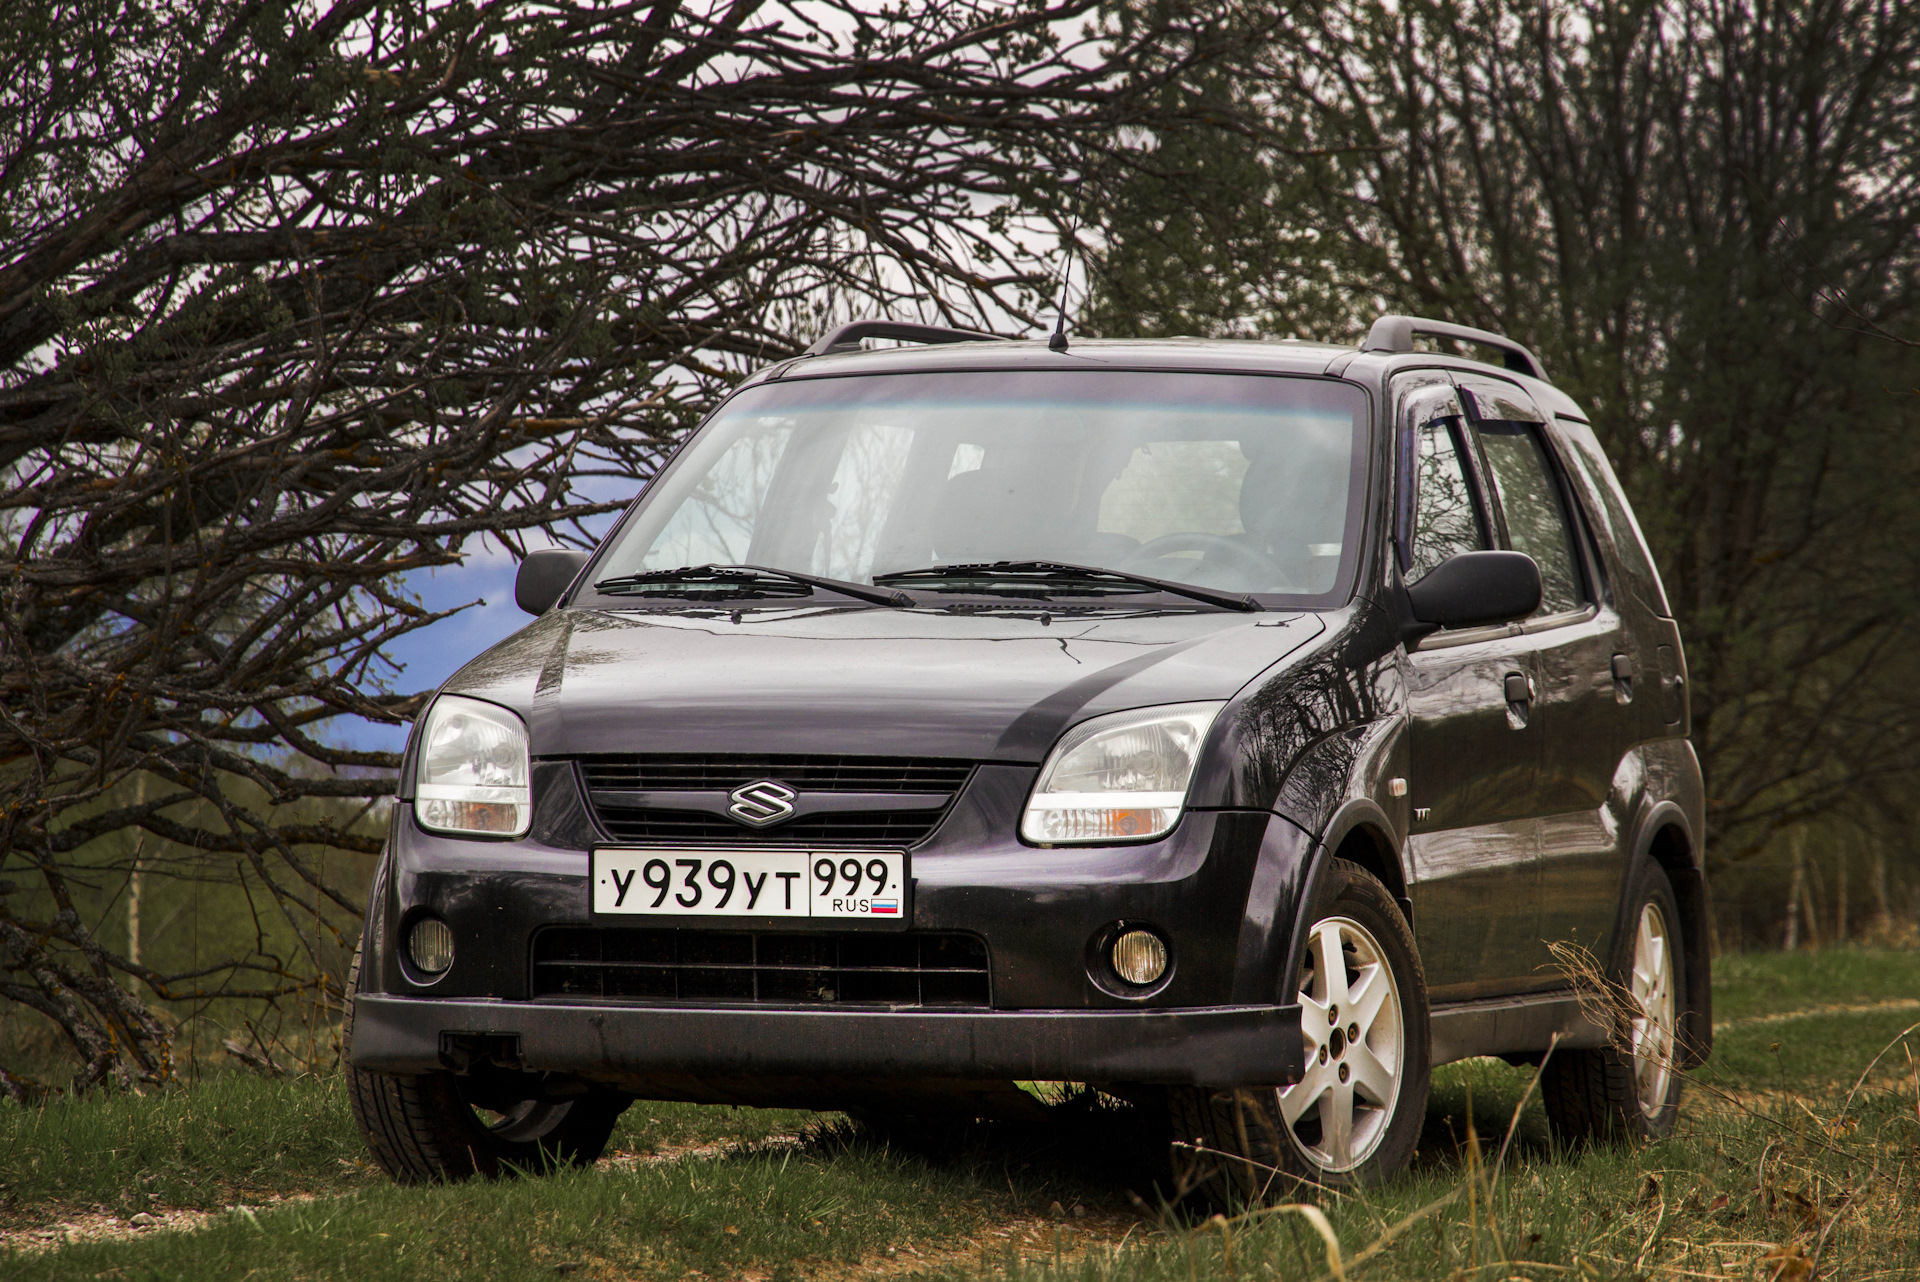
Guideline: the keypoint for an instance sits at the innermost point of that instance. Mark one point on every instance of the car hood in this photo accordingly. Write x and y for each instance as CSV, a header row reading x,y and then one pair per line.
x,y
987,686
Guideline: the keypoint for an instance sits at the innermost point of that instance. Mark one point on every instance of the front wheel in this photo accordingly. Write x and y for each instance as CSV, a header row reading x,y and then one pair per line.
x,y
1355,1114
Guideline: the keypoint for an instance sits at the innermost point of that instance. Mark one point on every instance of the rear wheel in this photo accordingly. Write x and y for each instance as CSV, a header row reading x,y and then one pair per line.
x,y
1630,1089
433,1127
1355,1114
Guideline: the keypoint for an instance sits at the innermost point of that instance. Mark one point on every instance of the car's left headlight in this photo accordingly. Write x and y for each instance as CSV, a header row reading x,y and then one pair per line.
x,y
1121,777
472,777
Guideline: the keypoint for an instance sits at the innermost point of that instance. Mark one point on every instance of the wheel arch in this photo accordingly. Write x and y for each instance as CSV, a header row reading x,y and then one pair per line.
x,y
1361,833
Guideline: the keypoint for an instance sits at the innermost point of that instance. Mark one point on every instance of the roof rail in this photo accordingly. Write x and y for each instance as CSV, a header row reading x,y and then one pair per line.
x,y
1395,334
847,337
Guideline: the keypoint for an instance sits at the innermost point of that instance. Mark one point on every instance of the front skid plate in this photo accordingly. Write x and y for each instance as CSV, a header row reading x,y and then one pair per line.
x,y
1210,1046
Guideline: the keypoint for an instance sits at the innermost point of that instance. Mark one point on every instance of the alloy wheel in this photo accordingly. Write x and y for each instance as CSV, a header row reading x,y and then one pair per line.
x,y
1651,1024
1355,1037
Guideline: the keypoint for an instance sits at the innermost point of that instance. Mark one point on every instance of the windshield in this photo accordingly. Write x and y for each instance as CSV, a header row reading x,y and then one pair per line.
x,y
1241,482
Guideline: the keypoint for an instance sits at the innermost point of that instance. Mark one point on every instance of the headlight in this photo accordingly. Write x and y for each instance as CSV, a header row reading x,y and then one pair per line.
x,y
1121,777
473,770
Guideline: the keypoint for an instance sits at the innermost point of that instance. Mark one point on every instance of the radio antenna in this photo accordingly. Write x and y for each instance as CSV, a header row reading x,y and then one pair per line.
x,y
1058,343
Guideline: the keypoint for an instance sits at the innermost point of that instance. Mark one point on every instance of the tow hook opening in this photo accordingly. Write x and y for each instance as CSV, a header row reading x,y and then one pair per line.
x,y
464,1052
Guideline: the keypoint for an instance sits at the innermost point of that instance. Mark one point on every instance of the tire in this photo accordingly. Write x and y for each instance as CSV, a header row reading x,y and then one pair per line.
x,y
1251,1144
421,1128
1629,1090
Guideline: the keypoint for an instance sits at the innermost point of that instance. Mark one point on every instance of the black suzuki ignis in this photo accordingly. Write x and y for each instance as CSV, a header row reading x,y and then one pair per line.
x,y
1239,728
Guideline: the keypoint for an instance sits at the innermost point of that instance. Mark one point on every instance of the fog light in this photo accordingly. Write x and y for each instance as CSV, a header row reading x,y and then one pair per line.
x,y
1139,957
430,945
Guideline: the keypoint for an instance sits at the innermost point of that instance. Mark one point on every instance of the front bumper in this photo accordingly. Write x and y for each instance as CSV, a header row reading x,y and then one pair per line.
x,y
1213,1046
1220,888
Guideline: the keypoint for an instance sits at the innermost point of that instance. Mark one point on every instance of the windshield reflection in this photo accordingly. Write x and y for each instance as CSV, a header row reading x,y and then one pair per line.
x,y
1236,482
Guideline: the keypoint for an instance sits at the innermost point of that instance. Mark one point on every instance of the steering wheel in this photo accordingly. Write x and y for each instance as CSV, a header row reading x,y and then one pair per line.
x,y
1257,564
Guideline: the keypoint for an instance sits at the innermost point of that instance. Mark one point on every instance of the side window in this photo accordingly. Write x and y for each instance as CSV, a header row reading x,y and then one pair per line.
x,y
1590,461
1444,519
1535,511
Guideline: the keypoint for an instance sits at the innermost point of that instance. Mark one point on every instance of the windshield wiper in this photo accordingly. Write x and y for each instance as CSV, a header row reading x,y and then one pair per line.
x,y
1062,572
740,580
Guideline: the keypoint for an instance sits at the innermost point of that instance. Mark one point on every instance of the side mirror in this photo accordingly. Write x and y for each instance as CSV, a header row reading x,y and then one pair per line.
x,y
544,575
1474,590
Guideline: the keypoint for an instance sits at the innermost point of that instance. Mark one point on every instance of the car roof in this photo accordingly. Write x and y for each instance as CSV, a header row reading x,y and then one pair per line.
x,y
1255,356
1287,357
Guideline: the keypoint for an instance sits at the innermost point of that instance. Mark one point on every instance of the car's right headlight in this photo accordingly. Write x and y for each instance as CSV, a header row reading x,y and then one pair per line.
x,y
1121,777
472,776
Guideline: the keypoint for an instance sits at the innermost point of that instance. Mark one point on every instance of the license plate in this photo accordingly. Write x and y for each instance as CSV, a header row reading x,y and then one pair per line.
x,y
867,886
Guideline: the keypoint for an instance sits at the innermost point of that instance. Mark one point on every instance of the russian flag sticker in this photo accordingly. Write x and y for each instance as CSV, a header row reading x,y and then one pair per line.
x,y
886,908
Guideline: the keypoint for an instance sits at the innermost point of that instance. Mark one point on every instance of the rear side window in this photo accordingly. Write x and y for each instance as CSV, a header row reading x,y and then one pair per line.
x,y
1623,531
1536,516
1444,519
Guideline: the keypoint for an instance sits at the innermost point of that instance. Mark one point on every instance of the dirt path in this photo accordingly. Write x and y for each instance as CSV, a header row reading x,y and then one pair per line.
x,y
1062,1238
103,1225
1781,1017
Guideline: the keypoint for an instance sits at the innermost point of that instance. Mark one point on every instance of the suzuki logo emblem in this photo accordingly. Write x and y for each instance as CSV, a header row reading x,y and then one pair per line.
x,y
761,804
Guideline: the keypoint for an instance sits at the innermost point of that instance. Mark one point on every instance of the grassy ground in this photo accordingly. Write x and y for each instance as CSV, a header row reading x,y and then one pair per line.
x,y
1774,1173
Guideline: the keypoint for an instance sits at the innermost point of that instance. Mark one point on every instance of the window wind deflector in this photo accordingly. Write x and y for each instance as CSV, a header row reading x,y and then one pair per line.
x,y
980,577
742,581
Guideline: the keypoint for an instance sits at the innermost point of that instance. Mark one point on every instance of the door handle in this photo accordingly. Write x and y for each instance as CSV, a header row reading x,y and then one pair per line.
x,y
1622,673
1519,692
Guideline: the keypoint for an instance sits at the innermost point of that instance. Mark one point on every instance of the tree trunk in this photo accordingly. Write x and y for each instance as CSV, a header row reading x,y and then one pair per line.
x,y
134,883
1796,885
1813,897
133,904
1840,901
1882,907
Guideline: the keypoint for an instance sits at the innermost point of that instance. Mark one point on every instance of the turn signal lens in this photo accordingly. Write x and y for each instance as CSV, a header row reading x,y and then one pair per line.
x,y
1121,777
1140,957
473,770
430,945
1074,818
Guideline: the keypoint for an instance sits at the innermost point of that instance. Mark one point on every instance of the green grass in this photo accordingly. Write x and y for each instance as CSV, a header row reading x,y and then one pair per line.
x,y
1808,1053
1769,1156
786,1211
1690,1206
1750,984
231,1137
237,1137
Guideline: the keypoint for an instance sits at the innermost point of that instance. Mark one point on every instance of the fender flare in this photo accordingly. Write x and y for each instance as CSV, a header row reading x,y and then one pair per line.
x,y
377,934
1354,813
1317,860
1365,812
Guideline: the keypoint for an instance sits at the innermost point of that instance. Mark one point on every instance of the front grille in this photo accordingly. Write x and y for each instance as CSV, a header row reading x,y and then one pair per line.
x,y
701,772
862,828
683,797
911,968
